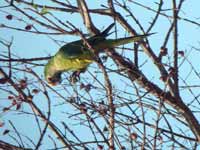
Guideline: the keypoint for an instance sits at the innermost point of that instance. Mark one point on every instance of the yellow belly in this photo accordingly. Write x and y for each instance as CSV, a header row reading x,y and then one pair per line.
x,y
72,64
77,64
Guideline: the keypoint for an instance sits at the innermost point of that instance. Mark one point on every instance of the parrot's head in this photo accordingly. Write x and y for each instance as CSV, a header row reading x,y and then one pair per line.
x,y
51,76
54,79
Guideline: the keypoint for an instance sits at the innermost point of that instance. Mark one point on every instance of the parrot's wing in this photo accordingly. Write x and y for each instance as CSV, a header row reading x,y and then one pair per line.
x,y
74,50
78,49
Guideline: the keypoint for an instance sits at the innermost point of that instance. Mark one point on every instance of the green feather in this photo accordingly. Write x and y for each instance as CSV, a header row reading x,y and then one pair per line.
x,y
76,56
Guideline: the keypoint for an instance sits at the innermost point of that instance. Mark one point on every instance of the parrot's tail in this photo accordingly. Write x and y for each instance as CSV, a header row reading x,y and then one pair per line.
x,y
111,43
103,34
107,30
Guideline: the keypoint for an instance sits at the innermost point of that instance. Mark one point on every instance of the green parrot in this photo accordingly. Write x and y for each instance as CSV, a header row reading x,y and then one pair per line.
x,y
75,56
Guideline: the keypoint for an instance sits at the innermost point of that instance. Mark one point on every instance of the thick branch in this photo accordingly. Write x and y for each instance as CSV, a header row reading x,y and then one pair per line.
x,y
7,146
136,75
175,28
145,47
86,17
111,108
24,59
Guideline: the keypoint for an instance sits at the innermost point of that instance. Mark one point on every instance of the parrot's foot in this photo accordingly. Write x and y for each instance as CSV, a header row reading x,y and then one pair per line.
x,y
75,77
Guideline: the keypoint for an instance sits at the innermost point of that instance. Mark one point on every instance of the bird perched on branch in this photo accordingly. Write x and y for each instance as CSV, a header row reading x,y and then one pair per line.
x,y
76,56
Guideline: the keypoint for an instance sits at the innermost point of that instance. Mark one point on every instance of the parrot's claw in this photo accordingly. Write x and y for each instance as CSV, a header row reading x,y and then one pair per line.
x,y
75,77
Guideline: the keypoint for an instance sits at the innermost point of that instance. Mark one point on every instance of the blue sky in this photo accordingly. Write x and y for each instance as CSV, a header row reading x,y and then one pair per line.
x,y
27,45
